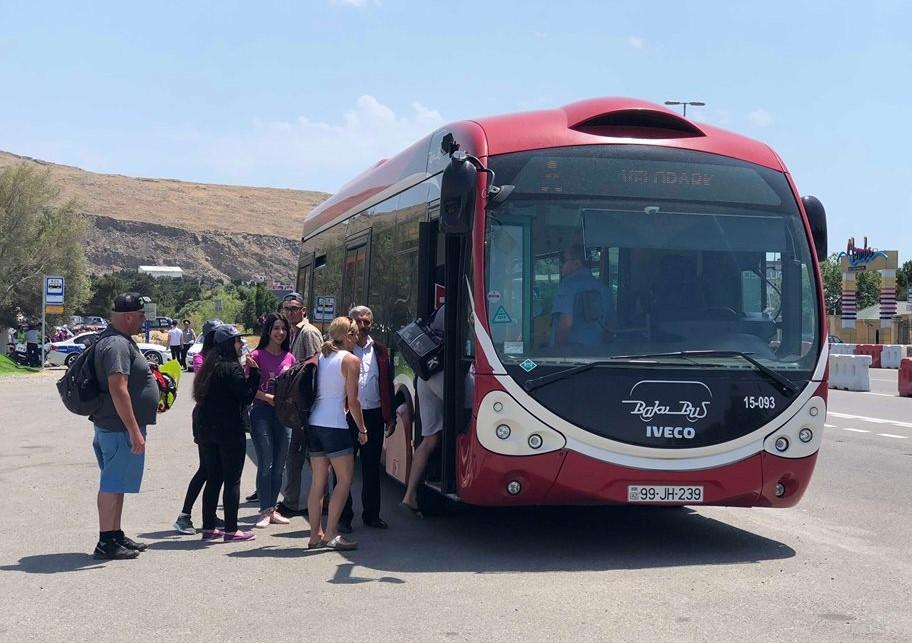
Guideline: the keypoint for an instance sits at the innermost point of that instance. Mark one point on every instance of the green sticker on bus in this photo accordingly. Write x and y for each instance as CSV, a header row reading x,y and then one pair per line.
x,y
501,317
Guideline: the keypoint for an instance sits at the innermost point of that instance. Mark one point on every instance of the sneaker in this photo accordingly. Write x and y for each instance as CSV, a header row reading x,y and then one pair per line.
x,y
240,536
113,550
252,497
213,534
129,543
184,524
265,519
287,511
278,519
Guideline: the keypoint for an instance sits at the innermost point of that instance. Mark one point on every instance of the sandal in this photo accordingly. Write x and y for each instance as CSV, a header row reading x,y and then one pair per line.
x,y
339,543
415,510
316,544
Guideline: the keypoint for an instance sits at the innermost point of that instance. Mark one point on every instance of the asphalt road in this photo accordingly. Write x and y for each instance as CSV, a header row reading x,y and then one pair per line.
x,y
836,568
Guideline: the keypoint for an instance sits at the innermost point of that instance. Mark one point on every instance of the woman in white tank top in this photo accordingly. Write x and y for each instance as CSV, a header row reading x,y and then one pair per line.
x,y
329,441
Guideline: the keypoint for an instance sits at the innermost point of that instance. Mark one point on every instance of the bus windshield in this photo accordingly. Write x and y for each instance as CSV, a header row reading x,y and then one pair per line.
x,y
613,250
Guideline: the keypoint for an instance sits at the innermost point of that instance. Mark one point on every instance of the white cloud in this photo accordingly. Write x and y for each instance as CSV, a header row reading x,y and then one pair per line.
x,y
313,154
636,42
760,118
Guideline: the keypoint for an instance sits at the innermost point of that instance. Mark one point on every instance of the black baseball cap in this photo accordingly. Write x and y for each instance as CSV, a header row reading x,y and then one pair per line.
x,y
293,296
225,332
129,302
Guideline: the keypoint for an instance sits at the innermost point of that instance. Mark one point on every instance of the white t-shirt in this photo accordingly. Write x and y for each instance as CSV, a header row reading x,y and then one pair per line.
x,y
175,337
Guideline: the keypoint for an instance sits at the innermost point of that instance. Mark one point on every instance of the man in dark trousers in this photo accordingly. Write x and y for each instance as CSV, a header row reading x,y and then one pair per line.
x,y
129,403
375,393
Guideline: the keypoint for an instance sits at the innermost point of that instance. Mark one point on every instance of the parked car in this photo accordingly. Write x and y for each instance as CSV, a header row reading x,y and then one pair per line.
x,y
92,320
834,340
64,353
161,323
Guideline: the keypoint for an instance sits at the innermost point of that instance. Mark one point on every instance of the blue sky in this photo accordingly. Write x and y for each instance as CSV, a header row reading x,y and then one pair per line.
x,y
308,94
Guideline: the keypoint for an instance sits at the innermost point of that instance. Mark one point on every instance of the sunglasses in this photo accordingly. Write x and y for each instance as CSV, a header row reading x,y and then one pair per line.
x,y
292,309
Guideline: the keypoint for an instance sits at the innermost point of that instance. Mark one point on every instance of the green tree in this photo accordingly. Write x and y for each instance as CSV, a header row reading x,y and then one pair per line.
x,y
832,284
868,289
903,281
258,300
38,237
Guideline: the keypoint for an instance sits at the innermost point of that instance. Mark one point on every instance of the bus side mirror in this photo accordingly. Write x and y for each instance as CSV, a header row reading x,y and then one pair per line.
x,y
817,219
457,195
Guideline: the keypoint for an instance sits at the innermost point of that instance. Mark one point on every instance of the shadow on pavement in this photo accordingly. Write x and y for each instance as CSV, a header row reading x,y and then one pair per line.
x,y
54,563
538,539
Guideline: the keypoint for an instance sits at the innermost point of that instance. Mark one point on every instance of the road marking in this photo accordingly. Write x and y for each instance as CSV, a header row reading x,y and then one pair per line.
x,y
830,426
890,435
856,430
865,418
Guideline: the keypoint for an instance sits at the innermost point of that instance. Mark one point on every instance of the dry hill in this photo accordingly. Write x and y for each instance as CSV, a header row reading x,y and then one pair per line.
x,y
214,230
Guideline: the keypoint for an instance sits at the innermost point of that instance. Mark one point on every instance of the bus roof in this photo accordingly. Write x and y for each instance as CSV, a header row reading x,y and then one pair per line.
x,y
596,121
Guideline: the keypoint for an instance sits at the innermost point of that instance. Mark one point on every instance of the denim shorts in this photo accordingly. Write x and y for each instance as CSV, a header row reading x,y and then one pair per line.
x,y
327,442
121,469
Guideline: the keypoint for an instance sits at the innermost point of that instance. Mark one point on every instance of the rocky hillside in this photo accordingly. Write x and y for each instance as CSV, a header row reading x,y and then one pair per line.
x,y
215,230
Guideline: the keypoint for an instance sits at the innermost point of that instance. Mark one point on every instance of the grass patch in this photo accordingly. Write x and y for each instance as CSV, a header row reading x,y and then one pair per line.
x,y
9,367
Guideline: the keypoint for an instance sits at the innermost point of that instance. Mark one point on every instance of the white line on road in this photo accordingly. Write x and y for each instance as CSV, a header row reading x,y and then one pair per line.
x,y
830,426
856,430
890,435
865,418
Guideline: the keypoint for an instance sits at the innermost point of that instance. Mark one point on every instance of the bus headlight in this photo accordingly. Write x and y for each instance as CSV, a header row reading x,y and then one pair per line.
x,y
805,435
535,441
502,431
782,444
513,487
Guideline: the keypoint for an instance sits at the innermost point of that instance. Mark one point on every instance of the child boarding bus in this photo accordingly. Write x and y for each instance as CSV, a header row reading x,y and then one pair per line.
x,y
635,297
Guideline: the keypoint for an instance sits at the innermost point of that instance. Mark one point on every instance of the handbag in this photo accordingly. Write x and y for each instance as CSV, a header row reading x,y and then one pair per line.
x,y
421,347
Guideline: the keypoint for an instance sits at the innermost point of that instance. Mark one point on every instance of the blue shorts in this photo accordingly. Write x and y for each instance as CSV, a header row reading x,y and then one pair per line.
x,y
121,469
327,442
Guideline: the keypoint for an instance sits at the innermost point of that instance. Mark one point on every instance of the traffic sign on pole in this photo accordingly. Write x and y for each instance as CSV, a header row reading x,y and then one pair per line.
x,y
51,303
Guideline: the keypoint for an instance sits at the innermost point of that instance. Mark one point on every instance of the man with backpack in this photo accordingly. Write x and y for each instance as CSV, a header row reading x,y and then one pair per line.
x,y
305,344
128,403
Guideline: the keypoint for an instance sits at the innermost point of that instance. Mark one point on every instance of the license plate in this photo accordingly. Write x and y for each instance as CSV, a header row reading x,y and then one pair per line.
x,y
665,493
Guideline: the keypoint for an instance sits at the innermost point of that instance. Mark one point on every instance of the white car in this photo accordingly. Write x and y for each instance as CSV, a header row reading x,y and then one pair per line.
x,y
64,353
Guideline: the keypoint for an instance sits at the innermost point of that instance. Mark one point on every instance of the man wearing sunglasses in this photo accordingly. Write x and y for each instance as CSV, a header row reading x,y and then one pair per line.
x,y
375,393
305,343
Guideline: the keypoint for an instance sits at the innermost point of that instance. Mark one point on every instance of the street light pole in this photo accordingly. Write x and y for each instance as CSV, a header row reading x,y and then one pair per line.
x,y
685,103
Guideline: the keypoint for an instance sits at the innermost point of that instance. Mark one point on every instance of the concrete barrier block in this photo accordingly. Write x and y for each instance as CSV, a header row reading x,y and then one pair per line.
x,y
850,372
842,349
905,377
874,350
891,355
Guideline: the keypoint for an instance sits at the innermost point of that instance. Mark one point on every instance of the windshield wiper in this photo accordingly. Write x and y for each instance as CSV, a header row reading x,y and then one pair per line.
x,y
788,387
536,382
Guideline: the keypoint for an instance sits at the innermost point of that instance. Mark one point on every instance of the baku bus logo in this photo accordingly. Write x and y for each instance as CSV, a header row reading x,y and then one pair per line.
x,y
656,399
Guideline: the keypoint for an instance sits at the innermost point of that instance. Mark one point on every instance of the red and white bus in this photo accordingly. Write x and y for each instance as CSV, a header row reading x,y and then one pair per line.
x,y
636,297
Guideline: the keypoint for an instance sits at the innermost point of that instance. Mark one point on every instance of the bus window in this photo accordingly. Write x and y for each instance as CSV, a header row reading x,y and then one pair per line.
x,y
355,273
305,278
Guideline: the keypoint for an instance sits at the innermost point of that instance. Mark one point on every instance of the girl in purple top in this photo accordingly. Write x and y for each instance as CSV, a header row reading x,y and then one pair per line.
x,y
270,438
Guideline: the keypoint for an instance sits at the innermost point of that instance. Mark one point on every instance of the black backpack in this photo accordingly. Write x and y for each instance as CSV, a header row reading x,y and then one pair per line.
x,y
78,388
295,393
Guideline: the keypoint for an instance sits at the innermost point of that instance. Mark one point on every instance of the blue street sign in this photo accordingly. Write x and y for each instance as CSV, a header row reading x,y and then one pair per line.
x,y
53,290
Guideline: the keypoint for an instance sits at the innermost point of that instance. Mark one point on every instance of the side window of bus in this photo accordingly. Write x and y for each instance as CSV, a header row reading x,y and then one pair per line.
x,y
354,278
305,278
327,276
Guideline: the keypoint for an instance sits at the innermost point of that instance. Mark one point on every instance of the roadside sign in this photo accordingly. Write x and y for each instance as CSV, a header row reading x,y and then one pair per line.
x,y
325,310
151,310
53,309
53,290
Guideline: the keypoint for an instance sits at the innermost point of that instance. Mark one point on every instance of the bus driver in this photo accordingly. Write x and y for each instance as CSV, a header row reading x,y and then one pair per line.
x,y
582,303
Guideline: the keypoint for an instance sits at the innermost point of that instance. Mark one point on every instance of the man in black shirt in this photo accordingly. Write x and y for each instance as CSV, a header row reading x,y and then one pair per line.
x,y
129,403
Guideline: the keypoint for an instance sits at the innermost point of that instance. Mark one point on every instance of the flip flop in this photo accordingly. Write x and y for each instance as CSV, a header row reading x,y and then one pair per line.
x,y
415,510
